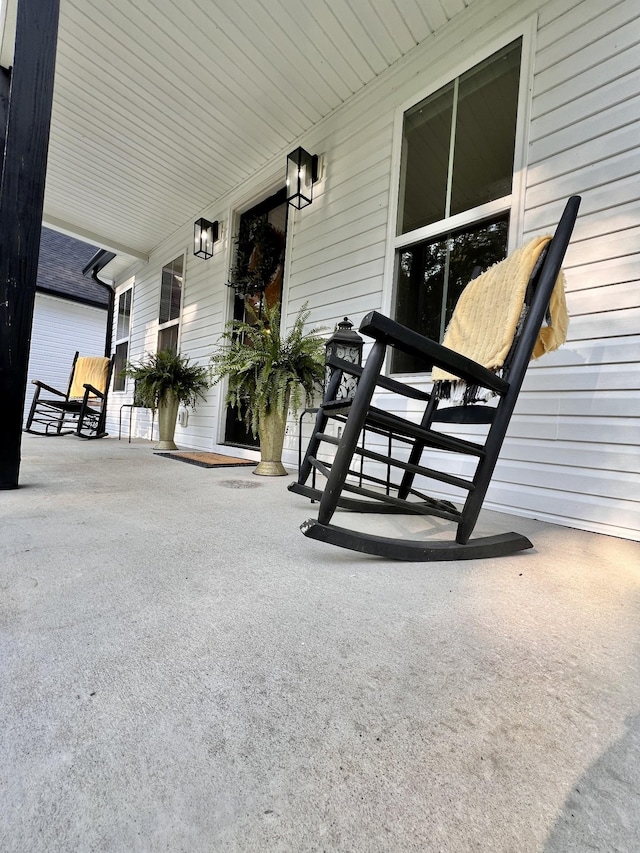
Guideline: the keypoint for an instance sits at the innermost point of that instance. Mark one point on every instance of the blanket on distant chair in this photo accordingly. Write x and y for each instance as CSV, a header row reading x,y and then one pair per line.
x,y
487,315
92,370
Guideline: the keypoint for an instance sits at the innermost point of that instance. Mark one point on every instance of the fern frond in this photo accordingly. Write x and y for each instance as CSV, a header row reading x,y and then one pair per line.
x,y
265,369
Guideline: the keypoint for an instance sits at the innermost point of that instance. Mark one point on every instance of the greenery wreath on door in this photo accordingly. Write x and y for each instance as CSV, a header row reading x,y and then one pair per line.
x,y
259,257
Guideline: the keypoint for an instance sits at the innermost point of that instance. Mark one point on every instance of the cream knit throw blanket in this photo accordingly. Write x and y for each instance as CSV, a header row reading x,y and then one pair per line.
x,y
488,312
90,369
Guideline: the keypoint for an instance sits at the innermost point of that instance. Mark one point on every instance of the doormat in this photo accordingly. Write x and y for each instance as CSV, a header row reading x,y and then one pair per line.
x,y
207,460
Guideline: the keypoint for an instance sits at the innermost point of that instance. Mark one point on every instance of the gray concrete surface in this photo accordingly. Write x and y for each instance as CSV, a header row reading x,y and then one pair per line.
x,y
183,671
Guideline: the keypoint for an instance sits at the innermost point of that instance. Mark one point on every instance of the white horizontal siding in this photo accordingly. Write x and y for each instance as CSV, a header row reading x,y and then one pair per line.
x,y
60,329
617,102
571,452
614,458
206,300
584,139
577,419
203,306
573,509
338,248
583,40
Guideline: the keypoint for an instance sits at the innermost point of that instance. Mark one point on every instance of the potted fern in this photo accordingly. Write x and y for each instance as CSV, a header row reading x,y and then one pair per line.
x,y
164,380
267,374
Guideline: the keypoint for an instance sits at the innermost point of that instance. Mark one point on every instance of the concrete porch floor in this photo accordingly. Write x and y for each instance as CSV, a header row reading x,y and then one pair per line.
x,y
183,671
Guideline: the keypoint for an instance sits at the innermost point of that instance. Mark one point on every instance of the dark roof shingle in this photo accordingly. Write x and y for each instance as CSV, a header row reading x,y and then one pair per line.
x,y
60,266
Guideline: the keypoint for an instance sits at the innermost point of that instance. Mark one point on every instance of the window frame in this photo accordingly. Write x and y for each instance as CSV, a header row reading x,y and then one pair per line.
x,y
127,287
177,321
512,203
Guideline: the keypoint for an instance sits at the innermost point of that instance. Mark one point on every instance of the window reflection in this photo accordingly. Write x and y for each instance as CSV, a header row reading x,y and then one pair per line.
x,y
459,143
431,276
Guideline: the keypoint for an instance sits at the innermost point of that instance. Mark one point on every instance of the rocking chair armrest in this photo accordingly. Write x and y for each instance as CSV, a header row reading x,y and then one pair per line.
x,y
383,381
388,331
47,388
91,391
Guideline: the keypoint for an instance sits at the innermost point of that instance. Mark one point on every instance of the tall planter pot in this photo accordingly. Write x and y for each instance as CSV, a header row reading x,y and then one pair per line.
x,y
167,417
271,430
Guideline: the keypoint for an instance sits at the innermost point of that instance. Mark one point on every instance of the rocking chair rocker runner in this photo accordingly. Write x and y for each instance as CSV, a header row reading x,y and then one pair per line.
x,y
82,409
405,440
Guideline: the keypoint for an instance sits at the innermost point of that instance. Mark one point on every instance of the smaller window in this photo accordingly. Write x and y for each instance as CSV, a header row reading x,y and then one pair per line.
x,y
170,305
432,274
123,326
168,338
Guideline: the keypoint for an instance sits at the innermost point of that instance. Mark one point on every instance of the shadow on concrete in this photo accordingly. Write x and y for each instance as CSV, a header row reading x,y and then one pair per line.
x,y
602,812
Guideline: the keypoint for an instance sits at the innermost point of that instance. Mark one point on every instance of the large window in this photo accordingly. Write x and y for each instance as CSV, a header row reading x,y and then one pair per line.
x,y
170,305
455,192
123,325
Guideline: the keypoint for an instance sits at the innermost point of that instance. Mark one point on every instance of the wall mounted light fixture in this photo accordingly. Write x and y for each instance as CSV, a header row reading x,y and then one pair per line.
x,y
302,173
205,234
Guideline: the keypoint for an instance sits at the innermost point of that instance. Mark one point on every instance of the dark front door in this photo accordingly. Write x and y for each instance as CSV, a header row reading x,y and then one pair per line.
x,y
258,273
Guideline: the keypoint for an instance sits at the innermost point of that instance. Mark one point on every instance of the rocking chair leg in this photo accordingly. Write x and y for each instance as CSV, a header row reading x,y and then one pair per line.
x,y
485,469
320,424
351,434
32,410
416,451
470,513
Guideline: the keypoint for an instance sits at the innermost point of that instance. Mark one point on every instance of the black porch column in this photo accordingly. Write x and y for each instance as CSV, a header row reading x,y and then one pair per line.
x,y
21,202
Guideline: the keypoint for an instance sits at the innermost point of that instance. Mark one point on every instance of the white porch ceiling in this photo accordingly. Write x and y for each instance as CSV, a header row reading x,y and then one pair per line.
x,y
163,106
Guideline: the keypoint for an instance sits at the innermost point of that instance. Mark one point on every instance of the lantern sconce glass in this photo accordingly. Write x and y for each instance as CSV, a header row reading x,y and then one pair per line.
x,y
205,234
302,173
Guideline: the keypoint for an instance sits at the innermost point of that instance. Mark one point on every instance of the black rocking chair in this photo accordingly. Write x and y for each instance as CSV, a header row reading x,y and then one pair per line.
x,y
404,440
81,409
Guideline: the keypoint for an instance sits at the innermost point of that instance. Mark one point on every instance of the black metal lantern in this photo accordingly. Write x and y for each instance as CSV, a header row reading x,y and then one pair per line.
x,y
347,345
302,173
205,234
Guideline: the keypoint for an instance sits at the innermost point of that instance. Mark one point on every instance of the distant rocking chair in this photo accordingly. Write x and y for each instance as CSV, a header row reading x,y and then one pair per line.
x,y
457,377
81,409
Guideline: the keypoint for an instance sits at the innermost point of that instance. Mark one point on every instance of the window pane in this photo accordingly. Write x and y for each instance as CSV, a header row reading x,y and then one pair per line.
x,y
122,352
168,338
425,161
485,130
171,291
165,296
124,315
432,275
